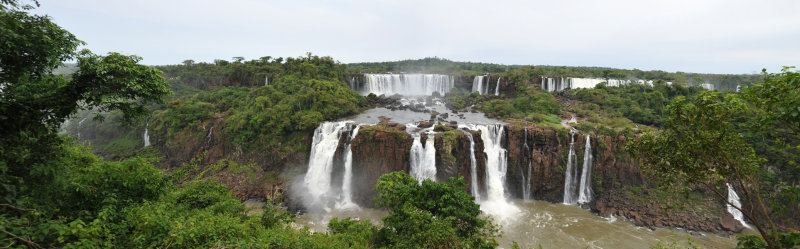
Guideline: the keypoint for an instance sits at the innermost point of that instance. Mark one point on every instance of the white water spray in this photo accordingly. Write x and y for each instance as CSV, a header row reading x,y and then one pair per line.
x,y
497,88
526,181
496,203
423,158
79,127
407,84
734,199
320,163
146,136
570,177
473,168
585,191
477,85
347,180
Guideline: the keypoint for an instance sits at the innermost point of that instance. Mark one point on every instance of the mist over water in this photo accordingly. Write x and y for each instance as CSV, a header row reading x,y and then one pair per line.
x,y
554,226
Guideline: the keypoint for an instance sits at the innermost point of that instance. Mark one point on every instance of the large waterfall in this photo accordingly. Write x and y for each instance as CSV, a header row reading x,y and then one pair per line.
x,y
479,86
407,84
571,176
473,168
320,164
346,201
733,198
423,158
496,168
585,190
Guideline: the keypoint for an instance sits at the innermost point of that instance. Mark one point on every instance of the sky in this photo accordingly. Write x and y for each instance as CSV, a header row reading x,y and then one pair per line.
x,y
704,36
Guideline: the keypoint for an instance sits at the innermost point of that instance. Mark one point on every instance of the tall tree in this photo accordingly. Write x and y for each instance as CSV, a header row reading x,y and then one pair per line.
x,y
34,102
704,142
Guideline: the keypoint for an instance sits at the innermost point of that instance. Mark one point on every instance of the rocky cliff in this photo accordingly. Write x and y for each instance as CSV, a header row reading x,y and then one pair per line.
x,y
377,150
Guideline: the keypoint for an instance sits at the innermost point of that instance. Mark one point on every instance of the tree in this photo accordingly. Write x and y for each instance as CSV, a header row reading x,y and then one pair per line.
x,y
34,102
431,214
704,143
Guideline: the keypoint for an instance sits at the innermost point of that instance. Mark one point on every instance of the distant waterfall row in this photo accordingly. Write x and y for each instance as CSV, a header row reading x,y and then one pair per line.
x,y
561,83
480,84
405,84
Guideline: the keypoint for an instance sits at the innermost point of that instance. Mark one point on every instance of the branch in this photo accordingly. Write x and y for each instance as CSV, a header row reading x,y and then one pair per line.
x,y
22,239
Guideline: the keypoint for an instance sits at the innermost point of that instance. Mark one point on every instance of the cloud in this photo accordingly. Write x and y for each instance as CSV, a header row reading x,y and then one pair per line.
x,y
681,35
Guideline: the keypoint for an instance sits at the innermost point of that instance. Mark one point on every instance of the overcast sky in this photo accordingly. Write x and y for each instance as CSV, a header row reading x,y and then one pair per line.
x,y
722,36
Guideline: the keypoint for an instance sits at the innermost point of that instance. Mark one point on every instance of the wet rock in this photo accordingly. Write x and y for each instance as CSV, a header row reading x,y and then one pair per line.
x,y
425,124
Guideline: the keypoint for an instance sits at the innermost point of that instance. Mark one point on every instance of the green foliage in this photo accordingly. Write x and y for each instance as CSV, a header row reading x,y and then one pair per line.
x,y
255,72
34,102
429,65
431,214
356,233
180,114
712,140
640,103
530,104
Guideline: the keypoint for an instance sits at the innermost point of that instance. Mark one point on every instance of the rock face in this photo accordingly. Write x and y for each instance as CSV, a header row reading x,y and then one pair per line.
x,y
377,150
453,157
547,157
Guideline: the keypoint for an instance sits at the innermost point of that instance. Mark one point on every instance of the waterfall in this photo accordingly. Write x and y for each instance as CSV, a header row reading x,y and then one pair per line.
x,y
526,181
561,83
496,166
585,191
497,88
146,136
477,85
266,80
473,168
63,129
320,163
407,84
733,198
347,188
707,86
423,158
210,132
79,128
570,177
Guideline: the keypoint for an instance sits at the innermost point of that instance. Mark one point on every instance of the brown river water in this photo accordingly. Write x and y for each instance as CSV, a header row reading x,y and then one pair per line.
x,y
550,225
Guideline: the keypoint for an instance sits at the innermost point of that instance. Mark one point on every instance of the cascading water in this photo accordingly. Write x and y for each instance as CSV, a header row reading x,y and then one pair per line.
x,y
496,167
526,181
79,127
585,191
733,198
266,80
570,177
561,83
407,84
477,85
423,158
320,163
346,201
473,168
146,136
497,88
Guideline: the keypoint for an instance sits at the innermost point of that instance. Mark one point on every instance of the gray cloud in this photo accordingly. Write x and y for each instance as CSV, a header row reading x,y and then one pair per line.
x,y
714,36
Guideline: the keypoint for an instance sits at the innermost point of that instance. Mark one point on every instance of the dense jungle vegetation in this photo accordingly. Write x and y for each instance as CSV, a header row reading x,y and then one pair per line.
x,y
54,192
